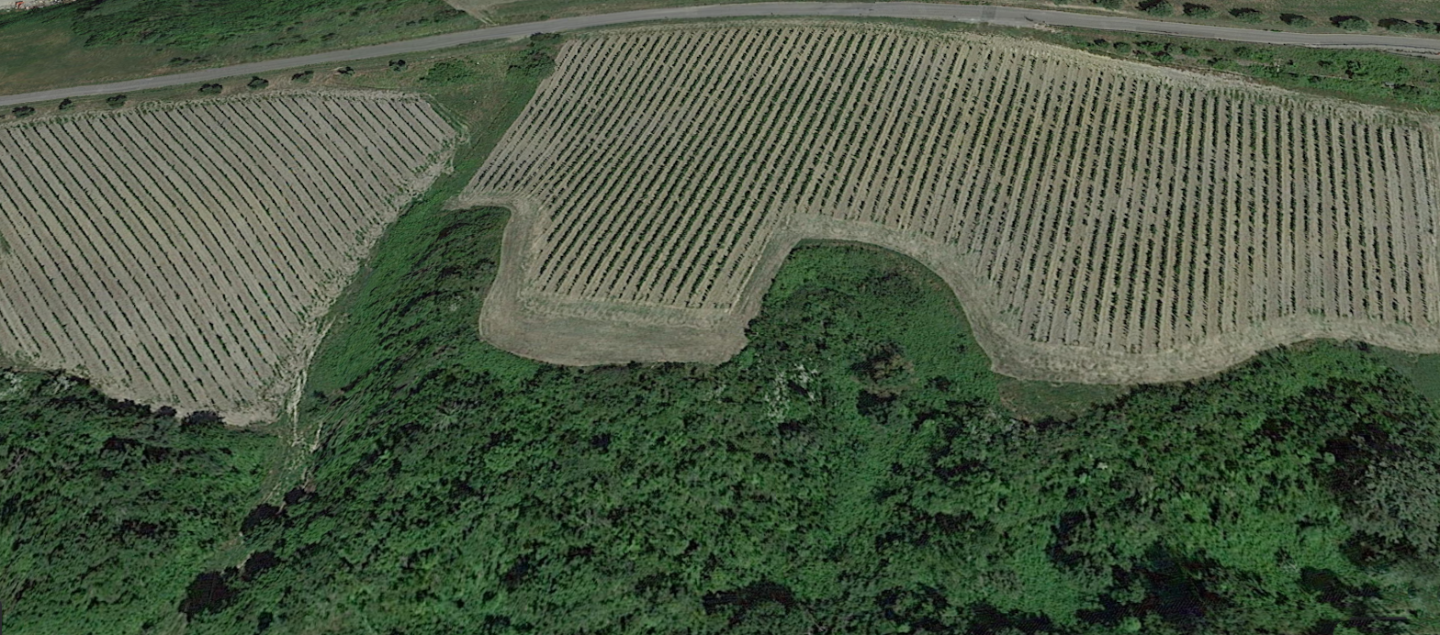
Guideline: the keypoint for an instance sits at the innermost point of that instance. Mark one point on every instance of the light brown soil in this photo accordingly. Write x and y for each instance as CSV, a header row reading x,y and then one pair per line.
x,y
1103,221
182,255
480,9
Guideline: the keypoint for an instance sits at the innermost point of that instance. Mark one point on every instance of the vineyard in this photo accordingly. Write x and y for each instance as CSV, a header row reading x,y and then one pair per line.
x,y
185,254
1102,220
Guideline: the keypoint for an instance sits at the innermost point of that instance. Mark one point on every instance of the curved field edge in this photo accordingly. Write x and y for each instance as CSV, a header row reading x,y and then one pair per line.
x,y
579,341
617,332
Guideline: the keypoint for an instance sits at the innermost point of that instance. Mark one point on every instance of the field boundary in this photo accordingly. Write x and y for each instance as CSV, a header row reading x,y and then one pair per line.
x,y
509,323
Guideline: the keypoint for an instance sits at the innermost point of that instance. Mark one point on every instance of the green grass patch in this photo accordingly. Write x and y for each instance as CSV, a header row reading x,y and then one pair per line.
x,y
1423,371
1042,400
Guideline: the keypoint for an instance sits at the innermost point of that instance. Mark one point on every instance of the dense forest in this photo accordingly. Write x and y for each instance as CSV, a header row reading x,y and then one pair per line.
x,y
857,469
850,472
107,509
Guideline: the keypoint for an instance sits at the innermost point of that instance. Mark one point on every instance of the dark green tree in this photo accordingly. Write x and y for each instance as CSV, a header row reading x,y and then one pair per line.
x,y
1159,8
1198,10
1296,20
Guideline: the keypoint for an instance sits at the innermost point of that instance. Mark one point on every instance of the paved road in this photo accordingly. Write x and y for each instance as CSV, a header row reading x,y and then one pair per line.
x,y
1002,16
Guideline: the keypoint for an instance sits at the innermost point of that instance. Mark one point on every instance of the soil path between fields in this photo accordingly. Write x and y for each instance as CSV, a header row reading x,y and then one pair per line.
x,y
1000,16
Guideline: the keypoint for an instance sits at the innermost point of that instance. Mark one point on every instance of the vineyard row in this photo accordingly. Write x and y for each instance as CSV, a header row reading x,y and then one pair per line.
x,y
1085,204
184,255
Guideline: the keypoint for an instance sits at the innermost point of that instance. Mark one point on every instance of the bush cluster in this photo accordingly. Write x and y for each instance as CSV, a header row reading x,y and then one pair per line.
x,y
1198,10
1159,8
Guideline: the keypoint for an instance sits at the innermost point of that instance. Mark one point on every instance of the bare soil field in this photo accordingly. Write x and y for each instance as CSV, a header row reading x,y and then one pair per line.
x,y
185,254
1103,221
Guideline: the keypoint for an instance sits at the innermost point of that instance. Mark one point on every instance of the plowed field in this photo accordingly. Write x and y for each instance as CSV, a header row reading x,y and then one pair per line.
x,y
1102,220
184,255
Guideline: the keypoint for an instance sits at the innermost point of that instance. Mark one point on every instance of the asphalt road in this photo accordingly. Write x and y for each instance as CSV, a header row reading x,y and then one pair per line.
x,y
1001,16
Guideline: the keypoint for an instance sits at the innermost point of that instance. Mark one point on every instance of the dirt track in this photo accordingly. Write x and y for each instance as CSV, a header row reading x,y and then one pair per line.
x,y
1002,16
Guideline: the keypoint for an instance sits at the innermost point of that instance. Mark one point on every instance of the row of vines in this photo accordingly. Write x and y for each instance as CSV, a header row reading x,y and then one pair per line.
x,y
1096,203
184,255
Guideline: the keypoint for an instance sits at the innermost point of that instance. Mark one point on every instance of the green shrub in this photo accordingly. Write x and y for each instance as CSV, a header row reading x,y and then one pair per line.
x,y
186,61
302,78
211,89
448,72
1247,15
1107,4
1254,54
1122,47
538,58
66,104
398,65
1350,23
1198,11
1296,20
116,101
1157,7
1399,26
257,83
1408,91
23,111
